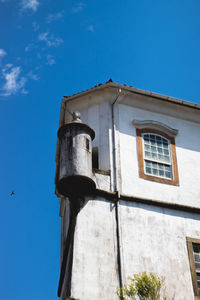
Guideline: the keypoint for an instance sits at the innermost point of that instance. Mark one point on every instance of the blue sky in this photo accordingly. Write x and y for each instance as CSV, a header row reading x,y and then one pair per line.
x,y
53,48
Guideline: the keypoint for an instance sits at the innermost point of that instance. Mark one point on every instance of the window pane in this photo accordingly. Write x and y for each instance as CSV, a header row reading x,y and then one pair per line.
x,y
167,174
153,148
159,146
196,248
165,145
166,158
197,257
154,155
152,142
155,172
147,154
157,155
161,173
158,169
146,147
148,170
197,266
198,276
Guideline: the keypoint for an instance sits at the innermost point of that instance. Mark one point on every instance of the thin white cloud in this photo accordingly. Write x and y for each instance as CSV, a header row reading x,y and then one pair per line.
x,y
50,60
50,40
2,53
30,5
54,17
13,81
91,28
33,76
35,26
28,47
78,7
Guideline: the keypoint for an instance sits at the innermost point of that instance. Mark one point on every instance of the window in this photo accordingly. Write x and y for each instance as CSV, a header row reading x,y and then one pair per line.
x,y
157,156
95,158
193,246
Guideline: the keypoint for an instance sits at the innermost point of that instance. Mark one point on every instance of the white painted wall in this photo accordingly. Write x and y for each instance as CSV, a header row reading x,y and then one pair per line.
x,y
188,158
96,112
94,273
154,240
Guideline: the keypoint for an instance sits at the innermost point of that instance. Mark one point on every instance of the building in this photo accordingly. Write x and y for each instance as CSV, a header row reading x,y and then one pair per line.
x,y
137,207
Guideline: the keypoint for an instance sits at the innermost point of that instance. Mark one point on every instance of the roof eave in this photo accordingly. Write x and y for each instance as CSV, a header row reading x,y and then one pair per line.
x,y
135,91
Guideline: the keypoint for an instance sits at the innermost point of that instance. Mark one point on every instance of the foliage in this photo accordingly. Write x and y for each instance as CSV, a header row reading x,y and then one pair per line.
x,y
142,287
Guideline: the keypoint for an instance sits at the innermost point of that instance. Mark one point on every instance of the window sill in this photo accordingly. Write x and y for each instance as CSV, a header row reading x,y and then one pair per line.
x,y
101,171
158,179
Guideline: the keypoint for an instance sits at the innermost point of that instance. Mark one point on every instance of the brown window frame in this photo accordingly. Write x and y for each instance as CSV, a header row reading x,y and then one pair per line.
x,y
175,180
189,242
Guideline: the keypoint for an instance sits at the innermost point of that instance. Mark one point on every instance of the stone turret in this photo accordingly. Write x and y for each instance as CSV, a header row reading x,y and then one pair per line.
x,y
75,169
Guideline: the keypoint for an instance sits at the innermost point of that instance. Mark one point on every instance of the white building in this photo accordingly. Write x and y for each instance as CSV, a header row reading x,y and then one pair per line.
x,y
144,214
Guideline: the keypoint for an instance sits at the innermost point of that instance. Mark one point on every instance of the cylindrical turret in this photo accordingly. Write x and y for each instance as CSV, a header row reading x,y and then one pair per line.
x,y
75,170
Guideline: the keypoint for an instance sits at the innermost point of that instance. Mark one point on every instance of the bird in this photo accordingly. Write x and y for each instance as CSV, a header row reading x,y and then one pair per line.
x,y
12,193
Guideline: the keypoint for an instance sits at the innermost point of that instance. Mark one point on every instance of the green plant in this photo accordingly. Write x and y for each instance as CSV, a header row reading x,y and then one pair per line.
x,y
143,286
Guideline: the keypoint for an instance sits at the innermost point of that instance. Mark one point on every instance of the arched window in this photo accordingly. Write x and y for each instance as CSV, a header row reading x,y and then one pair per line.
x,y
156,152
157,155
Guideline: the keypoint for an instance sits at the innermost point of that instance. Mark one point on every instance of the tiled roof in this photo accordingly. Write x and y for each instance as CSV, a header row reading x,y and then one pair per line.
x,y
132,89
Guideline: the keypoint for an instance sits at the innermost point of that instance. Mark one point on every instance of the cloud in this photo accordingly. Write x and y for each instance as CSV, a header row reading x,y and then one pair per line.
x,y
13,81
33,76
35,26
50,40
50,60
2,53
54,17
91,28
30,4
78,7
28,47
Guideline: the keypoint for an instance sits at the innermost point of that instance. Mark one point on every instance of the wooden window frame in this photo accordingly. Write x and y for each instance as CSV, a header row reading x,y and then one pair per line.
x,y
189,242
175,180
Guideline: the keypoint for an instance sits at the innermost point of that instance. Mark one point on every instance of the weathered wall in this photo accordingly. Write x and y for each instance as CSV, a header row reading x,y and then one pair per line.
x,y
188,158
96,112
154,240
94,273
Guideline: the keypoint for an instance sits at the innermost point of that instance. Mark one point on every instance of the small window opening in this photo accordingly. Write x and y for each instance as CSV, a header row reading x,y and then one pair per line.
x,y
69,139
95,158
87,144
